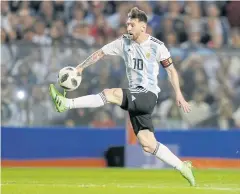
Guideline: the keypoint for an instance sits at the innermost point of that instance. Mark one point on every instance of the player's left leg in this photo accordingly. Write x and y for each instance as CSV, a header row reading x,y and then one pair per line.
x,y
150,145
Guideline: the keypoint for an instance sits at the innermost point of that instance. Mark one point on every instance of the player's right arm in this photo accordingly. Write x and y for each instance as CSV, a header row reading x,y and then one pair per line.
x,y
90,60
113,48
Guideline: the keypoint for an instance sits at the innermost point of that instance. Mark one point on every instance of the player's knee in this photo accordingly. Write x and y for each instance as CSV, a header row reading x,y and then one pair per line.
x,y
147,149
148,145
147,140
113,95
108,94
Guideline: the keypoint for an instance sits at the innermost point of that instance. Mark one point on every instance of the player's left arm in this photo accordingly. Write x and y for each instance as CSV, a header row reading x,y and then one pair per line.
x,y
174,79
167,63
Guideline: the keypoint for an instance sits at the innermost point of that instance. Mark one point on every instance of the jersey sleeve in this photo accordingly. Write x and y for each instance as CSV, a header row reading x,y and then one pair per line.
x,y
164,56
114,48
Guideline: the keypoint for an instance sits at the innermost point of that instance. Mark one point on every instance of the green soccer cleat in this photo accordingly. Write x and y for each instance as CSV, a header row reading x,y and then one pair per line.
x,y
58,99
187,173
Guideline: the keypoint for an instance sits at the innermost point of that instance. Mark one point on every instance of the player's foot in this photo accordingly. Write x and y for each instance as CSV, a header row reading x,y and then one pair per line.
x,y
58,99
187,173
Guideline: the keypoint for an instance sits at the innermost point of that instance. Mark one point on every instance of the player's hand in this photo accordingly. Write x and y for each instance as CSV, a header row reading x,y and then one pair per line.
x,y
181,102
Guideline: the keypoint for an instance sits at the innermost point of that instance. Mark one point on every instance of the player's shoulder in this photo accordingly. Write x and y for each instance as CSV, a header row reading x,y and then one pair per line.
x,y
156,41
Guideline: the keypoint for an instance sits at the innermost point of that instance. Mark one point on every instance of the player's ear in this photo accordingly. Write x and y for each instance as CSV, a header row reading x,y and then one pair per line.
x,y
143,27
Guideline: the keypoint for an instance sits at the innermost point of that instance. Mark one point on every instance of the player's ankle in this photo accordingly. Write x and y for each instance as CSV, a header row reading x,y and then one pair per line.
x,y
179,167
69,103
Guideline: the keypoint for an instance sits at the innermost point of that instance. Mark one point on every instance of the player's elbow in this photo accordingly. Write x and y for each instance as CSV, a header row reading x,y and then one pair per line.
x,y
171,71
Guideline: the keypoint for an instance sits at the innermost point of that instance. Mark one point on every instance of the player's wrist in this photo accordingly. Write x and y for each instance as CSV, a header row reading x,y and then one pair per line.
x,y
79,69
179,93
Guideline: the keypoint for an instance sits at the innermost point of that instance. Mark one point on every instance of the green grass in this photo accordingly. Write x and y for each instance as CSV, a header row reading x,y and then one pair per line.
x,y
115,181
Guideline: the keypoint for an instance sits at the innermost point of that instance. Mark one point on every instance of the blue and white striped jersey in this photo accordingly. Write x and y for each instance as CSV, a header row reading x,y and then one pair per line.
x,y
142,60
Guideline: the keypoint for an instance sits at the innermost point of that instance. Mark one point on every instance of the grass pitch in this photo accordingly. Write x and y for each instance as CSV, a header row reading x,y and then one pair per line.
x,y
115,181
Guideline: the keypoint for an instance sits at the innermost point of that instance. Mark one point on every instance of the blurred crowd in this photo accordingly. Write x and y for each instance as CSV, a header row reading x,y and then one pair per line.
x,y
40,37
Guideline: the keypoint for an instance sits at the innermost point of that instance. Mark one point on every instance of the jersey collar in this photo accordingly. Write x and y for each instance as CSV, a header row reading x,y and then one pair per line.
x,y
149,36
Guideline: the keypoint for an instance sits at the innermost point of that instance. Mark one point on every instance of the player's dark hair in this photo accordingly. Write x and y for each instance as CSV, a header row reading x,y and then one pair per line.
x,y
136,13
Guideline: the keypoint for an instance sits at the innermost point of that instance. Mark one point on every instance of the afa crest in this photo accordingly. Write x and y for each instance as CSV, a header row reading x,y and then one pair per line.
x,y
148,55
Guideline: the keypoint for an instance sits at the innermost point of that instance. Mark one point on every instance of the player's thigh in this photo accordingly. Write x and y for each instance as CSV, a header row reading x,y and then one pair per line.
x,y
144,130
142,102
142,125
114,95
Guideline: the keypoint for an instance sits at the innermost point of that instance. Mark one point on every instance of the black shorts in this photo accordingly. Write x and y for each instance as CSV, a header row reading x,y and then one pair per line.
x,y
140,104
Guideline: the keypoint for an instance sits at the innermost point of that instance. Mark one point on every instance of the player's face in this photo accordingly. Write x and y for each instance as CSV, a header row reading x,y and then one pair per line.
x,y
134,28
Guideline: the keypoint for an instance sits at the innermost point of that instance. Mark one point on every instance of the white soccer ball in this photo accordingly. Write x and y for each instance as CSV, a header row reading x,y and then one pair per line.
x,y
69,78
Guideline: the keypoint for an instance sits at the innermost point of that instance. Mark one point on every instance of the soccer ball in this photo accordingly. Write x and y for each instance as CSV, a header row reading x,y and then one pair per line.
x,y
69,78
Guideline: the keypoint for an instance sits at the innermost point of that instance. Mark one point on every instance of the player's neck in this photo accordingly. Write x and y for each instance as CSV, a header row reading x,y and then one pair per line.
x,y
142,38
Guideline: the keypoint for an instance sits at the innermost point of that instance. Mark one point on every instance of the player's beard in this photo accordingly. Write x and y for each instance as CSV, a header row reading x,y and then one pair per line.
x,y
135,37
130,36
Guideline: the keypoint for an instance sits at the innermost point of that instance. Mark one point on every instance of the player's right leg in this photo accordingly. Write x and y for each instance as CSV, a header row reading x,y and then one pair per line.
x,y
114,95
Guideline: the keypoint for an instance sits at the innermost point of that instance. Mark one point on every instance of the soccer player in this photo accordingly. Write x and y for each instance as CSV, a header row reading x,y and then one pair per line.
x,y
142,54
